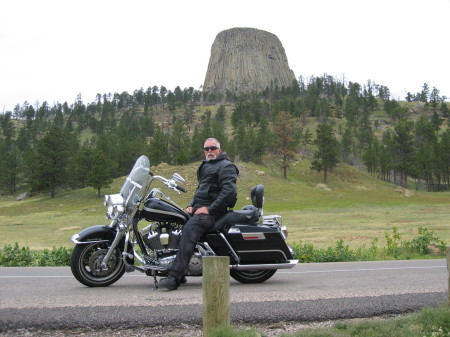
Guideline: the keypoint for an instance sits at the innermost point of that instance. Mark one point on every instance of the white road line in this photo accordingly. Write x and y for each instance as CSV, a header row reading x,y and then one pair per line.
x,y
350,270
281,272
52,276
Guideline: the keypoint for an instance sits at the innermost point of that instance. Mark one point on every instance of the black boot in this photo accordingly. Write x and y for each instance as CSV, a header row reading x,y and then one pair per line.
x,y
170,282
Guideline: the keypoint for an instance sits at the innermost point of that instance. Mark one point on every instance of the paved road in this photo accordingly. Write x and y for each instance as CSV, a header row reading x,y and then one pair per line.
x,y
47,298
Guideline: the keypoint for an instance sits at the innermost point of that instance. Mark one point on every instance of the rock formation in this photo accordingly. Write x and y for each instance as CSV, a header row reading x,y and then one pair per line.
x,y
245,60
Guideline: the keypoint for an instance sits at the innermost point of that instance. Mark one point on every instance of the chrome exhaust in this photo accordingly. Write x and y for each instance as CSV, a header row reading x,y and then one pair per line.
x,y
289,264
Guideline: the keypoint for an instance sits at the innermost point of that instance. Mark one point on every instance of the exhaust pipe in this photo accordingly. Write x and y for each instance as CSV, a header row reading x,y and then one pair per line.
x,y
289,264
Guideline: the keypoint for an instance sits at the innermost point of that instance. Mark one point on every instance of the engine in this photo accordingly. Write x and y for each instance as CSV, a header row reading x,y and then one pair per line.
x,y
164,241
195,267
159,238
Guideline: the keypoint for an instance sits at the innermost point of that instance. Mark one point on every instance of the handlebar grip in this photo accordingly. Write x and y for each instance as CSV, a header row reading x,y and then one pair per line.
x,y
180,188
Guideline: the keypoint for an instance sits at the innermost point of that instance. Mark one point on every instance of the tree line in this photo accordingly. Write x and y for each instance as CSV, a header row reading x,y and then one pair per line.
x,y
43,147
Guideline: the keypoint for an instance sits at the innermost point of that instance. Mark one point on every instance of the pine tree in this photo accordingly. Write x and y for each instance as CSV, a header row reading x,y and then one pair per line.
x,y
99,176
179,144
404,150
285,144
326,156
12,168
221,113
51,158
158,148
81,165
444,151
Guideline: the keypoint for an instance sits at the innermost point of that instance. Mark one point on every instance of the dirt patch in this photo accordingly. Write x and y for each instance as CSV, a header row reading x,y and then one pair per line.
x,y
357,238
428,210
359,216
69,228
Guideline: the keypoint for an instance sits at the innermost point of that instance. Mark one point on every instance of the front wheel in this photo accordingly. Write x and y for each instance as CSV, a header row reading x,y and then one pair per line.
x,y
252,276
86,265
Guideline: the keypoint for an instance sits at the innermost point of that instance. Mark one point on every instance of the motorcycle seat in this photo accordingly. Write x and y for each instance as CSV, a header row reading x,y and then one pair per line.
x,y
247,215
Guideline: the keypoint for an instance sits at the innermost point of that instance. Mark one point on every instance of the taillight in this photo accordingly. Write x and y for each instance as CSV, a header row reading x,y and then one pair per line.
x,y
284,231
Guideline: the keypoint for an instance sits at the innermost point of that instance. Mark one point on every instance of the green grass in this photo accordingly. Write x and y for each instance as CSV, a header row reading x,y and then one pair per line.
x,y
430,322
358,208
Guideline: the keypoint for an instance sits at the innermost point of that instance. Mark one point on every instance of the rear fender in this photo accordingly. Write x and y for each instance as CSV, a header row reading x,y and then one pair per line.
x,y
94,234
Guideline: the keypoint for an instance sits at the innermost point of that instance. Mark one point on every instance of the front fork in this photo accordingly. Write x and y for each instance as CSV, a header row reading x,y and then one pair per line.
x,y
122,229
119,235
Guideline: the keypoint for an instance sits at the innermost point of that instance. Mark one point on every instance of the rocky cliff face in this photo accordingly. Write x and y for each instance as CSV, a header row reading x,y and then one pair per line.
x,y
246,59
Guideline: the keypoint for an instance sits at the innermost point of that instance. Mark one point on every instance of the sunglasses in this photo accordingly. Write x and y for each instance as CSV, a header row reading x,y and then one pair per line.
x,y
212,148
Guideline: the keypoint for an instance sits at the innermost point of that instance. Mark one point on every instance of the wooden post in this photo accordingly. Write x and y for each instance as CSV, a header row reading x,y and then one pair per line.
x,y
448,272
216,292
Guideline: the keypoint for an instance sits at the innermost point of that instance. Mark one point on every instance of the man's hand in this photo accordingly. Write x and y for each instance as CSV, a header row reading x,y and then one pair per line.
x,y
202,210
189,209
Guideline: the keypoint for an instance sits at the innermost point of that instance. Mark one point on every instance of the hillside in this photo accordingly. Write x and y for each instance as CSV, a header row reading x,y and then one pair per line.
x,y
357,209
59,150
92,143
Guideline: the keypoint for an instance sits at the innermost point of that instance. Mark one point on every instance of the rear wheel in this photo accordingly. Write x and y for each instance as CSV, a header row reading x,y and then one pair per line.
x,y
252,276
86,265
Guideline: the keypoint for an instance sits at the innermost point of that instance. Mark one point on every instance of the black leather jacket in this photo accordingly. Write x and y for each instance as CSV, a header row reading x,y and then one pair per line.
x,y
216,185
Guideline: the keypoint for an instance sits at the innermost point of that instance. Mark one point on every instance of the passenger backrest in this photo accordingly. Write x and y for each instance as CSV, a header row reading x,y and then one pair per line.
x,y
257,196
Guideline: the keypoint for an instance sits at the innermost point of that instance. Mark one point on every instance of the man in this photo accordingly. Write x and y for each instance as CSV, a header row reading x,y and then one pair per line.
x,y
216,192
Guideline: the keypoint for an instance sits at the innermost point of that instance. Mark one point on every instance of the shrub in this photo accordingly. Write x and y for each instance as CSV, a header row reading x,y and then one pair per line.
x,y
13,255
422,243
55,257
393,242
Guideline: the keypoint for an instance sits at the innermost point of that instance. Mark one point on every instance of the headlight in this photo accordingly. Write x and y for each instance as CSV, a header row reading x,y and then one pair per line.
x,y
114,204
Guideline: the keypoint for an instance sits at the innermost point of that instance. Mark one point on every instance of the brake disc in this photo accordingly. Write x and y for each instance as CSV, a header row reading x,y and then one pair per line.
x,y
95,263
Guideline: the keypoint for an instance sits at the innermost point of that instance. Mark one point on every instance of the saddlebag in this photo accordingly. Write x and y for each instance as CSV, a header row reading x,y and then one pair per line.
x,y
253,244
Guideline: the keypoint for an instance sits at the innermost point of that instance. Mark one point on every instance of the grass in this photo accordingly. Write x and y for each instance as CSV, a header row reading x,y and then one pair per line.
x,y
430,322
361,224
358,208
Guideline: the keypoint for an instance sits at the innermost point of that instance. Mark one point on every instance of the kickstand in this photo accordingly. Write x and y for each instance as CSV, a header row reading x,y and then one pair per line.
x,y
155,284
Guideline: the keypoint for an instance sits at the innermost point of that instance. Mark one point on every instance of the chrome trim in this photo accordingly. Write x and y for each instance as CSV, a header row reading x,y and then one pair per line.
x,y
148,209
75,237
261,251
205,249
154,267
119,236
236,257
131,267
138,257
289,264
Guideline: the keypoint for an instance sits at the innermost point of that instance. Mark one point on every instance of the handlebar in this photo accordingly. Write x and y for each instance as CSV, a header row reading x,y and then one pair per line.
x,y
180,188
170,183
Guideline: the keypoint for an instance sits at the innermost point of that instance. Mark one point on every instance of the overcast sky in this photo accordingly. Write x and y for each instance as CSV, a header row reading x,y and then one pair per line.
x,y
54,50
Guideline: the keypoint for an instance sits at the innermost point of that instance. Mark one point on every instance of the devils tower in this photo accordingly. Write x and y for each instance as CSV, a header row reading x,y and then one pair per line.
x,y
245,60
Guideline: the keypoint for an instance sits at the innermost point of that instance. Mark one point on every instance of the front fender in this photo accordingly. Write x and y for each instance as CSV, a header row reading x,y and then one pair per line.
x,y
99,233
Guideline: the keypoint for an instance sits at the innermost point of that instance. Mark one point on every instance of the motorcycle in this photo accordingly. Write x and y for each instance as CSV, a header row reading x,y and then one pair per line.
x,y
146,228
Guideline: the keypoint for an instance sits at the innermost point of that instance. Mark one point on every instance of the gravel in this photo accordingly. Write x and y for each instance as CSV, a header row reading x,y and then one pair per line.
x,y
183,330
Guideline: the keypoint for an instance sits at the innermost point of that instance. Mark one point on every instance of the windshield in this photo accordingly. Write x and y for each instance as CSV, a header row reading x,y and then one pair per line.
x,y
136,183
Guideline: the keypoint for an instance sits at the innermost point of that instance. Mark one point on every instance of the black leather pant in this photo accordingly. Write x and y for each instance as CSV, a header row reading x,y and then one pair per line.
x,y
192,232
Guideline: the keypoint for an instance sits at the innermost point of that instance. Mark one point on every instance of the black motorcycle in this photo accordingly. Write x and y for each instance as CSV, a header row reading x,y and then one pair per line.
x,y
146,228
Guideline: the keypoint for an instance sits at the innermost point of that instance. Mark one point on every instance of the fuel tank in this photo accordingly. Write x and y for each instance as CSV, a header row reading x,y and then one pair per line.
x,y
160,210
